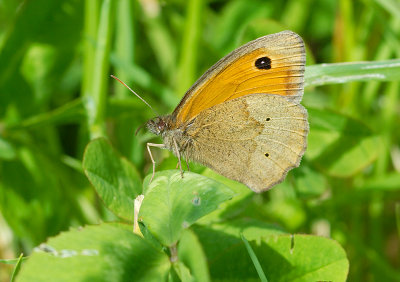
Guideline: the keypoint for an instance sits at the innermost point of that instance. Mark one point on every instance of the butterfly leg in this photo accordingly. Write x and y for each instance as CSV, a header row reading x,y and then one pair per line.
x,y
162,146
187,165
178,154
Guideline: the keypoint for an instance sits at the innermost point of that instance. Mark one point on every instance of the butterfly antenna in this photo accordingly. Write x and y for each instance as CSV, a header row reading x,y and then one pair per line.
x,y
137,95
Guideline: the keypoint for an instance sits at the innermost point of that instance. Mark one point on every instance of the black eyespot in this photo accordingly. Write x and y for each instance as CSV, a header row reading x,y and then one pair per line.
x,y
267,155
263,63
268,119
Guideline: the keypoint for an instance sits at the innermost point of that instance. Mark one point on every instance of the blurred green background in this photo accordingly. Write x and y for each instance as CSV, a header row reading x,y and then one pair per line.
x,y
56,94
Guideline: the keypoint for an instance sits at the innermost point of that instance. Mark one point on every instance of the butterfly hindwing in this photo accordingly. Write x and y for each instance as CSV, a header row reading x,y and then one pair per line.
x,y
254,139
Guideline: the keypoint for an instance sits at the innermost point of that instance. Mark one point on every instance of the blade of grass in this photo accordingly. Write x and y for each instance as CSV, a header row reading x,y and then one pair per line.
x,y
340,73
91,18
188,60
254,259
383,52
391,6
397,211
125,50
70,112
386,269
371,89
344,31
96,100
159,36
125,43
17,267
72,163
295,14
388,120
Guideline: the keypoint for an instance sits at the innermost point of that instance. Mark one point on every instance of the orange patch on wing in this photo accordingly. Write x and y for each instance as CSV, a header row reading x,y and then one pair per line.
x,y
242,77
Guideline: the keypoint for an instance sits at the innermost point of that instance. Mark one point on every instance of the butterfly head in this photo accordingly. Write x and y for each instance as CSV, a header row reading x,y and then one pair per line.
x,y
157,125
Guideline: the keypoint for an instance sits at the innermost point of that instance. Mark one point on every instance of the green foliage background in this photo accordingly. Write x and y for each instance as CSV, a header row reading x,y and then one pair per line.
x,y
56,95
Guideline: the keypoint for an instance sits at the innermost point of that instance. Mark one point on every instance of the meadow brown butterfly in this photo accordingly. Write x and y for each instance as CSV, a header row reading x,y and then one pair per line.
x,y
243,117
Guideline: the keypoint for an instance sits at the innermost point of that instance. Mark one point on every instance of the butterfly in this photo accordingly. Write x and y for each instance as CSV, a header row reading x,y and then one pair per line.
x,y
243,118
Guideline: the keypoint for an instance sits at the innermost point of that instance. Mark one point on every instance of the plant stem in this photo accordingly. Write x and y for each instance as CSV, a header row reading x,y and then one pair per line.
x,y
174,253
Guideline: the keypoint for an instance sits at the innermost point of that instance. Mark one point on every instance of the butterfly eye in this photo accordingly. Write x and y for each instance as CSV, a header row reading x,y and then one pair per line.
x,y
266,154
263,63
160,124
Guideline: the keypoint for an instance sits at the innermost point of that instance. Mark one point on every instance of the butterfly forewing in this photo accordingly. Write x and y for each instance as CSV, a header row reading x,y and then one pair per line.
x,y
271,64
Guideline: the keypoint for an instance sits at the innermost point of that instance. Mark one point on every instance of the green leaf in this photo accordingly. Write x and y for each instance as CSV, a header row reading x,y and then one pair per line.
x,y
302,258
358,71
7,150
26,27
309,182
96,253
173,203
282,257
228,209
183,272
224,248
285,207
190,252
386,182
115,179
250,228
340,145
